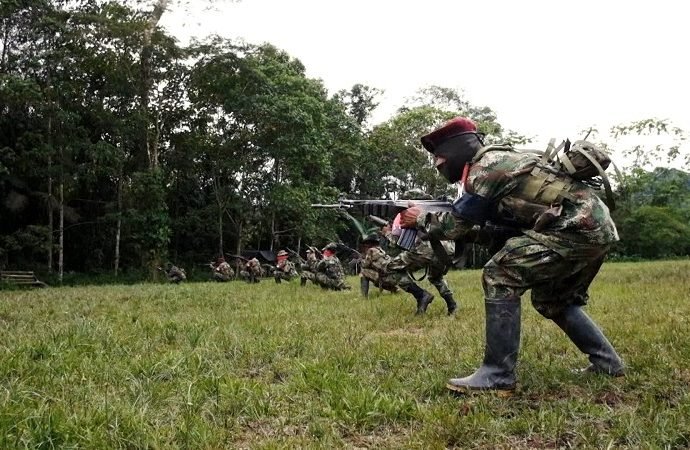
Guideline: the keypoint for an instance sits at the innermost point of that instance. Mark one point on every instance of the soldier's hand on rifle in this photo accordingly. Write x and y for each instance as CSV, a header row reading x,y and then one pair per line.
x,y
408,218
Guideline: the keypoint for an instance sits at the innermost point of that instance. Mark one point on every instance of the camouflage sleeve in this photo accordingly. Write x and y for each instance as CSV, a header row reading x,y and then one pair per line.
x,y
444,226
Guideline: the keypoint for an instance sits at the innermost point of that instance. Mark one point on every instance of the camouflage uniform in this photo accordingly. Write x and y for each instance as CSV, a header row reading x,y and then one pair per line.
x,y
329,274
309,267
252,271
375,266
285,269
566,232
558,262
421,257
222,271
175,274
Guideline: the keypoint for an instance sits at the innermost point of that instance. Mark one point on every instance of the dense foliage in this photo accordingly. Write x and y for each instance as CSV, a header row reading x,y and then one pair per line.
x,y
120,149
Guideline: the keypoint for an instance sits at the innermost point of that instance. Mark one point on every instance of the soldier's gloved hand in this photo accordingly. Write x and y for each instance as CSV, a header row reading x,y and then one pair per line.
x,y
408,218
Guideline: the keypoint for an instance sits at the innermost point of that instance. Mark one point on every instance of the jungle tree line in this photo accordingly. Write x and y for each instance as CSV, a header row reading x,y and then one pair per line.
x,y
120,148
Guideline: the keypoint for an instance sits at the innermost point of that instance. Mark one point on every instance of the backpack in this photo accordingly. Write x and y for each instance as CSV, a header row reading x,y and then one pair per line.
x,y
549,181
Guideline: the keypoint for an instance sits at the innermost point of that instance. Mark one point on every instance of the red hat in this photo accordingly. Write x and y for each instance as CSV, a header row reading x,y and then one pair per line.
x,y
452,128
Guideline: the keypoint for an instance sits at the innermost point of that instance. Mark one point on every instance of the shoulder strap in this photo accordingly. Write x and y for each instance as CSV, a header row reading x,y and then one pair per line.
x,y
491,148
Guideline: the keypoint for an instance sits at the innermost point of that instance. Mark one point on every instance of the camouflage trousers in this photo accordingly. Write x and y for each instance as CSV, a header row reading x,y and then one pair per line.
x,y
557,279
217,276
249,277
308,275
330,283
281,275
422,257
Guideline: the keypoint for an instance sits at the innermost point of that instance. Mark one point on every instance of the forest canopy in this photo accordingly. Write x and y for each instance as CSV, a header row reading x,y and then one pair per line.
x,y
121,149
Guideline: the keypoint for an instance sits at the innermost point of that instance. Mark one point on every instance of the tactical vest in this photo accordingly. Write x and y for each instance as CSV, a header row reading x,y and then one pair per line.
x,y
543,188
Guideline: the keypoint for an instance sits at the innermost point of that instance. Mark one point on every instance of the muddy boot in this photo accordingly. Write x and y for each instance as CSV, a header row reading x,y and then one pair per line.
x,y
589,339
424,298
450,303
497,372
303,282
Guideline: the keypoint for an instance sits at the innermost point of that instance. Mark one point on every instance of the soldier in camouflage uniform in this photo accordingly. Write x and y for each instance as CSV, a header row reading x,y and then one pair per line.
x,y
329,271
563,244
285,269
421,257
175,274
374,265
222,271
252,272
309,267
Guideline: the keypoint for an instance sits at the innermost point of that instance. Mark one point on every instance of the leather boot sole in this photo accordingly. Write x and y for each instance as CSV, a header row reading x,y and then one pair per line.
x,y
466,390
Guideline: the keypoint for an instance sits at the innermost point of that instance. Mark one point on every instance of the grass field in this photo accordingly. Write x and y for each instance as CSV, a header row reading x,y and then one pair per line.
x,y
205,365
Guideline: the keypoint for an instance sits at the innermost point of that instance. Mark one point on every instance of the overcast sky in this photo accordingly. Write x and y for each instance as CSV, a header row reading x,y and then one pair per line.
x,y
547,68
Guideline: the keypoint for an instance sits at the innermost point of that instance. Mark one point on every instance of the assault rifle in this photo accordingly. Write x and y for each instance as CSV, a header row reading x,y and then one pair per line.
x,y
295,254
390,208
237,257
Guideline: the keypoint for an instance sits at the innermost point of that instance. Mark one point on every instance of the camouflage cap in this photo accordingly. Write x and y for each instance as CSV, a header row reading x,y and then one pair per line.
x,y
282,253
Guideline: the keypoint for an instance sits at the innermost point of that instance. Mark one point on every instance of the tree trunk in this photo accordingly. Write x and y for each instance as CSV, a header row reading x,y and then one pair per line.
x,y
273,229
238,250
118,227
5,45
61,225
220,232
149,148
50,208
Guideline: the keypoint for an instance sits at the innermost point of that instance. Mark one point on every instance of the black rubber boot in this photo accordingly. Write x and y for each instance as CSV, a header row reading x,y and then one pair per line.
x,y
303,282
450,303
277,280
497,372
589,339
423,297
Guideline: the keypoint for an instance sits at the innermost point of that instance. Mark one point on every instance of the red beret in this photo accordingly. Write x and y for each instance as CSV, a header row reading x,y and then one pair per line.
x,y
452,128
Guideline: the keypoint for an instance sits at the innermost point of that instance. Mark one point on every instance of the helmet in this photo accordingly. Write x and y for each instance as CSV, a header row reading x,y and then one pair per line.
x,y
415,194
282,253
331,246
456,142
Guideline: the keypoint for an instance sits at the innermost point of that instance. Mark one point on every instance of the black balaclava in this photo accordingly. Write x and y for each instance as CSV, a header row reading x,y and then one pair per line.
x,y
458,151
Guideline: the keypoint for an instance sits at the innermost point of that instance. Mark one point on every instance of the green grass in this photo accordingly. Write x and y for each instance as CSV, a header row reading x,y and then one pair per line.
x,y
207,365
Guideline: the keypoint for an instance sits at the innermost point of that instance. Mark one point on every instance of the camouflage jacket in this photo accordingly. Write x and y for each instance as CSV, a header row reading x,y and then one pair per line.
x,y
254,267
331,267
286,266
499,176
224,269
310,264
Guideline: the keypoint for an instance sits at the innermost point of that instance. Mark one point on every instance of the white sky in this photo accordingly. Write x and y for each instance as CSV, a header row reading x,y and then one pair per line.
x,y
547,68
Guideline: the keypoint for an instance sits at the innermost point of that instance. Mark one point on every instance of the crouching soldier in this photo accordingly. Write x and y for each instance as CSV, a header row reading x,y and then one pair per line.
x,y
252,271
285,269
174,274
329,271
309,267
222,270
374,266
